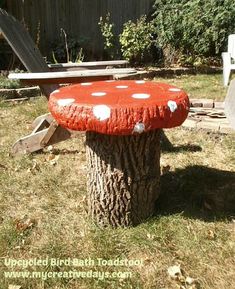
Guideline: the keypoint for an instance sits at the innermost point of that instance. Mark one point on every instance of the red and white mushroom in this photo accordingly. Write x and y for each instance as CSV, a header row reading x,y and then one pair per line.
x,y
122,121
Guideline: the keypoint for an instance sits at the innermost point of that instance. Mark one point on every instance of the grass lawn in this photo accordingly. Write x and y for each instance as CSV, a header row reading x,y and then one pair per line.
x,y
199,86
42,211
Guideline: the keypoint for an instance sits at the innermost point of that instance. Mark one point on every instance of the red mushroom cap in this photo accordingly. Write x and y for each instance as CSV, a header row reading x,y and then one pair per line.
x,y
119,107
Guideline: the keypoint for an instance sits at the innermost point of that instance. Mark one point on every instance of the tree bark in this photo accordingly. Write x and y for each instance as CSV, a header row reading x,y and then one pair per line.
x,y
123,177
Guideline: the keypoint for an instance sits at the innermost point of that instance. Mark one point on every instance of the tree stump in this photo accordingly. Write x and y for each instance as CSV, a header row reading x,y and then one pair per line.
x,y
123,177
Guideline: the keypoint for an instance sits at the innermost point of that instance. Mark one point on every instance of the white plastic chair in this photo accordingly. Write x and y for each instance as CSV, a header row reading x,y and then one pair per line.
x,y
229,59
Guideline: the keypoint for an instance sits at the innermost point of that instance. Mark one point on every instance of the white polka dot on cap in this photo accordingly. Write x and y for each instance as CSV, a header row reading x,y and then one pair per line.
x,y
140,81
86,83
65,101
55,91
140,95
102,112
98,93
139,127
172,105
122,86
174,89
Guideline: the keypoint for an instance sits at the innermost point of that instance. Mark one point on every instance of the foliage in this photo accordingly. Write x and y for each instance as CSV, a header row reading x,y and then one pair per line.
x,y
9,83
136,43
137,40
106,28
194,28
68,50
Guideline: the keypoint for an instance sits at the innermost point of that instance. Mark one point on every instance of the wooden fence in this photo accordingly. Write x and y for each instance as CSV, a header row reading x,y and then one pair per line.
x,y
79,18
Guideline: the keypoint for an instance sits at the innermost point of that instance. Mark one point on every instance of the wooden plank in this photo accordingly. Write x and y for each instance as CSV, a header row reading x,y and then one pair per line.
x,y
82,73
48,117
64,80
69,76
51,131
33,142
90,64
86,65
41,125
29,143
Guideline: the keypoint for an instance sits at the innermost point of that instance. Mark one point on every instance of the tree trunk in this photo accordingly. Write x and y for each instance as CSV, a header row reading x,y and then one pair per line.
x,y
123,177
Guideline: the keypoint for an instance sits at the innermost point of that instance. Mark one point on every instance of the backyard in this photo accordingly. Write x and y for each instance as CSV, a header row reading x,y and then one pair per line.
x,y
43,210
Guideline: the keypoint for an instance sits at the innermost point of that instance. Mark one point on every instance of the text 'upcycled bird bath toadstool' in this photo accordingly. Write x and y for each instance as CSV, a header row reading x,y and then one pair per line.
x,y
122,121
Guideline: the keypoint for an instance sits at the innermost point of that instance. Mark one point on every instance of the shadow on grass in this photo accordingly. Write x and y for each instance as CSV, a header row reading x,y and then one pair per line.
x,y
198,192
62,151
167,146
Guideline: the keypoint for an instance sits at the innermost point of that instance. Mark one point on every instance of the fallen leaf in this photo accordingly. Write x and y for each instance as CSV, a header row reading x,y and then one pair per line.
x,y
211,235
24,223
53,159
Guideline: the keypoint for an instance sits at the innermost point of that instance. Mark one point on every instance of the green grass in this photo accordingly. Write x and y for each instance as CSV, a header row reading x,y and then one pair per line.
x,y
42,212
199,86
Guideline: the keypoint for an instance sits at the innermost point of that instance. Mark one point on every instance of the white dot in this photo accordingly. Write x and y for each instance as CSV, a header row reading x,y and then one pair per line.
x,y
139,127
86,83
101,111
55,91
121,86
174,89
140,95
111,80
140,81
172,105
65,101
98,93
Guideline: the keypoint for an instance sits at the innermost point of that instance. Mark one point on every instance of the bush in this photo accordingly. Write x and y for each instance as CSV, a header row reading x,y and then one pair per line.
x,y
137,41
9,83
195,29
110,40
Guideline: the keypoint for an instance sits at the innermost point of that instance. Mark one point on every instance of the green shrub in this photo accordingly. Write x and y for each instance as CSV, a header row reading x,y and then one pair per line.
x,y
110,40
9,83
192,29
137,40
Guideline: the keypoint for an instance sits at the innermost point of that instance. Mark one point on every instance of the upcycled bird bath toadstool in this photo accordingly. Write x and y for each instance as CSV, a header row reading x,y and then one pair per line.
x,y
122,121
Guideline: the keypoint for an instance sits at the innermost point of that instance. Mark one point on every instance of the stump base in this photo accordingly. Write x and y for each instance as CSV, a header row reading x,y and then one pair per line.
x,y
123,177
